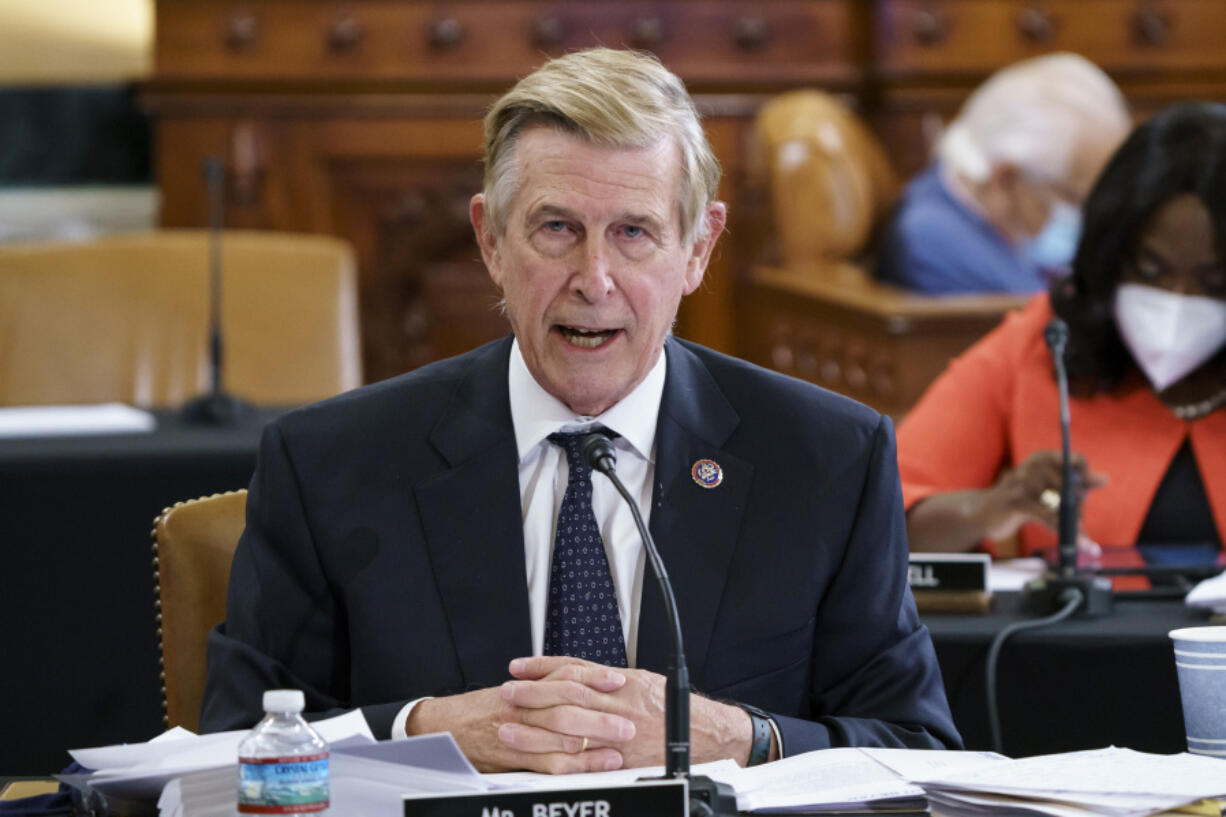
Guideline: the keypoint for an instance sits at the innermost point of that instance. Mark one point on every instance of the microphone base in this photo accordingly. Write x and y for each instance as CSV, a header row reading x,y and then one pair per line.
x,y
217,409
710,798
1047,594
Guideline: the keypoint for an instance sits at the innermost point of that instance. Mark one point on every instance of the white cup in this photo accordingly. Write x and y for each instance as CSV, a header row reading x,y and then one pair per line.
x,y
1200,661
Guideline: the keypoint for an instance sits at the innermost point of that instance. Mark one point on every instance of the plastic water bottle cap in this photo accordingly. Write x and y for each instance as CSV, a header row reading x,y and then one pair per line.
x,y
284,700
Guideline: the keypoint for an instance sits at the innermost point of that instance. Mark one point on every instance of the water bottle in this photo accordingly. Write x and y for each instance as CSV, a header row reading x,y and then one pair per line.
x,y
283,762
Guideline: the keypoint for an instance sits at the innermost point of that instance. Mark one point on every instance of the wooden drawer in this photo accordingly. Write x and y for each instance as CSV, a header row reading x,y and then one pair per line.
x,y
492,42
918,37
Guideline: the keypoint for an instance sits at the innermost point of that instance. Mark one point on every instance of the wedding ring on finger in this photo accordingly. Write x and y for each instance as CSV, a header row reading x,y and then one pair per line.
x,y
583,746
1050,499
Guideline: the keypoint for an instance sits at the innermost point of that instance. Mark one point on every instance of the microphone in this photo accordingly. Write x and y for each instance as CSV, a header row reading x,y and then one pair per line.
x,y
1056,336
707,797
1069,591
1069,588
216,407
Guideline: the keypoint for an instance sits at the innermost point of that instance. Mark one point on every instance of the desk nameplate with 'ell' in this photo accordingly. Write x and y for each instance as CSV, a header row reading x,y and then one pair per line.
x,y
950,582
646,798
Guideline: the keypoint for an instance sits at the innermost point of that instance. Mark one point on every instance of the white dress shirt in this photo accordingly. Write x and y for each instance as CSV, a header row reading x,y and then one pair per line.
x,y
542,483
535,414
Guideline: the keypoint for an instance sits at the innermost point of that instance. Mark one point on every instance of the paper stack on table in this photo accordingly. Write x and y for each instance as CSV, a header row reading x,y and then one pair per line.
x,y
1108,782
365,779
195,776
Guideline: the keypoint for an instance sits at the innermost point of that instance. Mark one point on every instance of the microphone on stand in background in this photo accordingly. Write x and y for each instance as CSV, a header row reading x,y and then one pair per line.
x,y
217,407
1056,336
1069,589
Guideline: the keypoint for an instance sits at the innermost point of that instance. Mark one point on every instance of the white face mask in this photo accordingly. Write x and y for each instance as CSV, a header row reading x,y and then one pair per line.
x,y
1169,334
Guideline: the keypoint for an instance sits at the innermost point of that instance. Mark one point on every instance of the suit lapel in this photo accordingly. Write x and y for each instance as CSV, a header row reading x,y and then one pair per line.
x,y
694,527
472,519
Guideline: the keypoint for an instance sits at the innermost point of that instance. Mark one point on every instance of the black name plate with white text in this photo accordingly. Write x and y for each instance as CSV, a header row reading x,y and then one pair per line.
x,y
949,571
645,798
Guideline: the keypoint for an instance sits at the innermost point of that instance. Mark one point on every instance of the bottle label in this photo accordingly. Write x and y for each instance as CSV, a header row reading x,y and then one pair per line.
x,y
294,784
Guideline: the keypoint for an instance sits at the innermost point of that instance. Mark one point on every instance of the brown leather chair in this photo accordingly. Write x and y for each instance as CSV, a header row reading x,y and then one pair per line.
x,y
828,177
193,544
816,312
125,318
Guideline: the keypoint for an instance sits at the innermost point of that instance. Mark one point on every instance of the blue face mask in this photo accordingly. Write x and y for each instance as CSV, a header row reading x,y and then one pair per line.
x,y
1056,244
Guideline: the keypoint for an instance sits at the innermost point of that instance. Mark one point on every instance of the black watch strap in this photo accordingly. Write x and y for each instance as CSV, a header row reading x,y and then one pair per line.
x,y
760,749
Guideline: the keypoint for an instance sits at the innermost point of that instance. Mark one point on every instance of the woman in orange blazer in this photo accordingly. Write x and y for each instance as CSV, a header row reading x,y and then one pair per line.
x,y
1146,311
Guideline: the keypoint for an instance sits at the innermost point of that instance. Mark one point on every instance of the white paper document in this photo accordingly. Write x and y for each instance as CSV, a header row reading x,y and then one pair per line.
x,y
139,771
829,779
195,776
58,421
1111,781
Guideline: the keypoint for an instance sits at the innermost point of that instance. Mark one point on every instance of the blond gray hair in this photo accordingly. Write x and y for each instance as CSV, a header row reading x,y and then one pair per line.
x,y
612,97
1032,114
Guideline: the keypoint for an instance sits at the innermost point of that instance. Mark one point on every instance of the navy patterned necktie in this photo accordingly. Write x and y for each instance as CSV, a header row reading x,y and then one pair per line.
x,y
582,619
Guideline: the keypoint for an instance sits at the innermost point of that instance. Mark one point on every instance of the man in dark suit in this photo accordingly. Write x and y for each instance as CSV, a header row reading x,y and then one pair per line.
x,y
433,550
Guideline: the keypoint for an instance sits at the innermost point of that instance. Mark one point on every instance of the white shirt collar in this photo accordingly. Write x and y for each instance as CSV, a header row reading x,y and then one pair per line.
x,y
535,413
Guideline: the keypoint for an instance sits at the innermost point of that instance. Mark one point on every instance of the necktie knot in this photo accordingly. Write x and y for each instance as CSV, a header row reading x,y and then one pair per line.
x,y
572,443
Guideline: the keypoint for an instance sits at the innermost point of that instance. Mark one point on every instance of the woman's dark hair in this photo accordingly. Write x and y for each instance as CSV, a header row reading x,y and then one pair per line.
x,y
1180,150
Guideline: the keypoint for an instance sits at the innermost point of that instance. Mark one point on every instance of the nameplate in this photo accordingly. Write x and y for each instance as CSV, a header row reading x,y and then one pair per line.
x,y
645,798
948,571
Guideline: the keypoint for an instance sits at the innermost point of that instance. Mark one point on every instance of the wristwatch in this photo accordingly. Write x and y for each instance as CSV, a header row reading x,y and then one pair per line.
x,y
760,749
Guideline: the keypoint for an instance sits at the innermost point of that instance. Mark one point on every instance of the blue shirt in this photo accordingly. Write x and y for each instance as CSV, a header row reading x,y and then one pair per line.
x,y
936,245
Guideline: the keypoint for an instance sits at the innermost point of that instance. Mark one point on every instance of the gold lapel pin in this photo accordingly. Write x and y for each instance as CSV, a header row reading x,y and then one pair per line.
x,y
707,473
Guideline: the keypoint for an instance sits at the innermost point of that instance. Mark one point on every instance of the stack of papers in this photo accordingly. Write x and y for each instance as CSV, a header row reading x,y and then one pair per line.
x,y
196,776
861,780
134,774
187,775
1209,594
1108,782
365,779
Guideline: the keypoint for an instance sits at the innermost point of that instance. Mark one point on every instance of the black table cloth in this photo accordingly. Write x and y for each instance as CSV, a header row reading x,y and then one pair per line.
x,y
78,657
1080,684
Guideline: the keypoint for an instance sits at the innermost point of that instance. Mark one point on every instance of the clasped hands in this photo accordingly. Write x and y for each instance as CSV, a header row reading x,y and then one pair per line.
x,y
562,715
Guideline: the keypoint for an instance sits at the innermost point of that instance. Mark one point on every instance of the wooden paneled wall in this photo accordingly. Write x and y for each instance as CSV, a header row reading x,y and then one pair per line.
x,y
360,118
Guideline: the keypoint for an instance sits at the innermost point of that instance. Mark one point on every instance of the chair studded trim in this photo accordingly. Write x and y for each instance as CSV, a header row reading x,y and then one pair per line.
x,y
192,542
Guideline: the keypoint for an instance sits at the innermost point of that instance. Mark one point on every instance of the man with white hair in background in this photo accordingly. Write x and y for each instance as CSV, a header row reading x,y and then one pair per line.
x,y
1000,208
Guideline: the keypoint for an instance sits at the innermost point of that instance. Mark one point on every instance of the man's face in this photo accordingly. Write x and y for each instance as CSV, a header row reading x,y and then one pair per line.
x,y
1026,199
592,264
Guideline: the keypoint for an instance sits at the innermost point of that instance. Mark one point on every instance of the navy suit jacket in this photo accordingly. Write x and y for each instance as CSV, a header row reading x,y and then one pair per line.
x,y
383,558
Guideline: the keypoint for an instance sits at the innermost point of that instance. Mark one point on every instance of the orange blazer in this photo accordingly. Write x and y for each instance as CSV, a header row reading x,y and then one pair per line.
x,y
997,402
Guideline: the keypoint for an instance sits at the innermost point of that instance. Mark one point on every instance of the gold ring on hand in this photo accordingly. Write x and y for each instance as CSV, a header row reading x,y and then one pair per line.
x,y
1050,499
583,746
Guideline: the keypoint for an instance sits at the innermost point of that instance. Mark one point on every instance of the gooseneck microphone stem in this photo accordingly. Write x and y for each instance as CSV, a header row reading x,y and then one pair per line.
x,y
598,450
1054,591
215,406
708,798
1056,335
214,176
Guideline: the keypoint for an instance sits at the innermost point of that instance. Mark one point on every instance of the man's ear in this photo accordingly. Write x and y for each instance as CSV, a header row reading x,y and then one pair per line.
x,y
700,253
487,239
